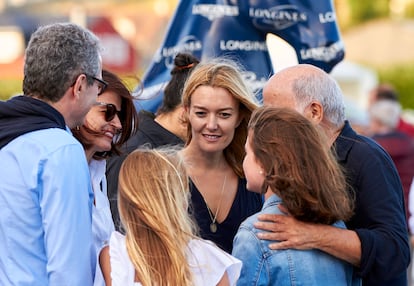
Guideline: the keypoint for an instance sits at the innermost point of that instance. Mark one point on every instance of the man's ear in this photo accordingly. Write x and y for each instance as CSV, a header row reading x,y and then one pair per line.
x,y
78,85
314,112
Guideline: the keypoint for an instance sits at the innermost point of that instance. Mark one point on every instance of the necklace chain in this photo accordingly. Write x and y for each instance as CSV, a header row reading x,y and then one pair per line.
x,y
219,205
213,225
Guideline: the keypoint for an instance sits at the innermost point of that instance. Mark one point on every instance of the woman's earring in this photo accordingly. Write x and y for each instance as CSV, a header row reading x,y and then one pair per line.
x,y
77,127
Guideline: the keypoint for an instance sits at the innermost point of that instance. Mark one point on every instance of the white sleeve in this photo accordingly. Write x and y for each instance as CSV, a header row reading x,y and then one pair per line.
x,y
209,263
122,270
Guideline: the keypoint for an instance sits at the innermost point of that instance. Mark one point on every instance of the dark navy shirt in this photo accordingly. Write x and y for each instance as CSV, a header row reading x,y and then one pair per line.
x,y
245,204
379,218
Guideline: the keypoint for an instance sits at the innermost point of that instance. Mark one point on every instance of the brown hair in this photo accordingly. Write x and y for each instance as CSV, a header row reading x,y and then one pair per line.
x,y
385,91
299,166
184,63
128,116
224,73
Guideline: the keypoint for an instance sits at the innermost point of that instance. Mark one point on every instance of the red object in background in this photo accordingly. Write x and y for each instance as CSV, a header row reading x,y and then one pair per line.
x,y
13,70
406,127
119,56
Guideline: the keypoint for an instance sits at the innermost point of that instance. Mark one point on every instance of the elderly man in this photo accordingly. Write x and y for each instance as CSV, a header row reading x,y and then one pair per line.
x,y
45,190
376,241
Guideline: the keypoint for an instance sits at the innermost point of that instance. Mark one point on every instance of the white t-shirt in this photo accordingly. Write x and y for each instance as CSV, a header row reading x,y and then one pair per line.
x,y
207,262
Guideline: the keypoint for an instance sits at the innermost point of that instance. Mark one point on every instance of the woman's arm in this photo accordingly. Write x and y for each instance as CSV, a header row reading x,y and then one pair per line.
x,y
105,264
224,281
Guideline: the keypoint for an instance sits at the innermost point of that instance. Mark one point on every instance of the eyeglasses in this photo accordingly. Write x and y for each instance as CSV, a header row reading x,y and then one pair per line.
x,y
102,85
110,111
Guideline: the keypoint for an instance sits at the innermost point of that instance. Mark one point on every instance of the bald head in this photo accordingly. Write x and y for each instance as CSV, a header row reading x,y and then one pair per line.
x,y
299,86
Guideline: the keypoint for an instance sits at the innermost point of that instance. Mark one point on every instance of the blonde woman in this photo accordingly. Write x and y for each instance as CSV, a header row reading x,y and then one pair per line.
x,y
160,246
218,105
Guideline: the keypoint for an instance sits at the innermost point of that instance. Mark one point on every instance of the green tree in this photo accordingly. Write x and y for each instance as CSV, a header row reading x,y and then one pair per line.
x,y
401,77
365,10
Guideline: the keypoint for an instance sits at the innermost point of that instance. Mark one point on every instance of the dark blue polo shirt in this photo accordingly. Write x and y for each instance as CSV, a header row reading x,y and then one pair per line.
x,y
379,218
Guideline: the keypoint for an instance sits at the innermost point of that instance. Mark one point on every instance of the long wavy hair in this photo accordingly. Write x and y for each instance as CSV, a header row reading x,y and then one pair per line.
x,y
227,74
299,166
153,200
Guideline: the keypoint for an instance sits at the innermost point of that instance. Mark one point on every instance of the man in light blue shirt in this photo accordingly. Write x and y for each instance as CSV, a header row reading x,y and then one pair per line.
x,y
45,189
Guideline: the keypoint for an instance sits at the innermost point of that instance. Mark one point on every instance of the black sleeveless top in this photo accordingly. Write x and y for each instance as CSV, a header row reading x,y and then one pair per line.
x,y
245,204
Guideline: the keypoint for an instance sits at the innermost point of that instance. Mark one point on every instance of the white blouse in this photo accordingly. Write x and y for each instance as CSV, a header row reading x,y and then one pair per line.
x,y
102,224
208,263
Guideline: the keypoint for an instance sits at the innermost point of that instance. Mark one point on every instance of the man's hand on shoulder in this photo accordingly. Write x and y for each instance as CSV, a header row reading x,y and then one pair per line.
x,y
287,231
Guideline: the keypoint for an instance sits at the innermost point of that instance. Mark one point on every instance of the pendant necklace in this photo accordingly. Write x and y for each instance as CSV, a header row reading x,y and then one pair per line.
x,y
213,224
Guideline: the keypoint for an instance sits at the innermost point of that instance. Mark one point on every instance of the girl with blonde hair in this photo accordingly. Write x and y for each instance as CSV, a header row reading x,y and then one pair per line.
x,y
160,246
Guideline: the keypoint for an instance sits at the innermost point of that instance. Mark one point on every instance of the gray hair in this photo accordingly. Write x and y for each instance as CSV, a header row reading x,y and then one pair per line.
x,y
321,87
55,56
387,112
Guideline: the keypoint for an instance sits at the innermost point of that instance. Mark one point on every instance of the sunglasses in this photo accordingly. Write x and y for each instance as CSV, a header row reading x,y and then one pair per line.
x,y
110,111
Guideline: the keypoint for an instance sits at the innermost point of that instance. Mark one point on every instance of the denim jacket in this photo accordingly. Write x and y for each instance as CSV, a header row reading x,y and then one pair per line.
x,y
263,266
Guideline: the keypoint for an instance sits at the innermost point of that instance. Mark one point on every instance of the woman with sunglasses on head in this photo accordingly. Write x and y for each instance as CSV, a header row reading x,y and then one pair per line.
x,y
106,127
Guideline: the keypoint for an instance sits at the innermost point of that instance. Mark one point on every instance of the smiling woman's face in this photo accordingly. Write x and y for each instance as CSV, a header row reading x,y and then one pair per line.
x,y
214,116
96,122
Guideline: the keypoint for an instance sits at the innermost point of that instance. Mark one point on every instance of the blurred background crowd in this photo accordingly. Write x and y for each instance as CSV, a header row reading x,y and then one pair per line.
x,y
378,37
